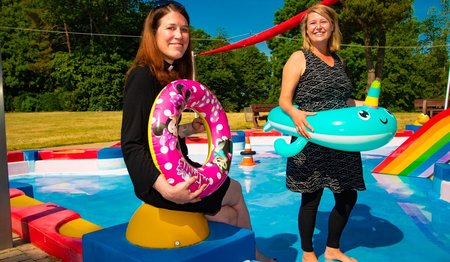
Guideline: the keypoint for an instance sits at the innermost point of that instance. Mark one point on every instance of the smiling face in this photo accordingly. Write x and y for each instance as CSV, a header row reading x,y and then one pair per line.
x,y
172,36
318,28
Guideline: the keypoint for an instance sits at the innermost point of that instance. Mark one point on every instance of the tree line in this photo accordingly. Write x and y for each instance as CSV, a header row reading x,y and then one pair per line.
x,y
61,55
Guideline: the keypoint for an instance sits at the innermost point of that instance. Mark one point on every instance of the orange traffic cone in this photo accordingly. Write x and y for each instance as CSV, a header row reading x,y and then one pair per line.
x,y
248,154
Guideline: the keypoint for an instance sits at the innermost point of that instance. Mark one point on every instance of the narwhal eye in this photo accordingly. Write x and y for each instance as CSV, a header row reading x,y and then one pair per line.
x,y
389,112
364,115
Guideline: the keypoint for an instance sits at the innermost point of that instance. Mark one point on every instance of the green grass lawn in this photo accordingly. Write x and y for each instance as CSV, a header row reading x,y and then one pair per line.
x,y
56,129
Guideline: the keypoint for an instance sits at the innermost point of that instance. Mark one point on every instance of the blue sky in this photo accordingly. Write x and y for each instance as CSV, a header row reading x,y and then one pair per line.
x,y
421,7
243,18
234,17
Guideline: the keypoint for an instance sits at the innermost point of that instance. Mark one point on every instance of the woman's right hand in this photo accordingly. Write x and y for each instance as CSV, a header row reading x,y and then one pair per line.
x,y
300,122
180,193
292,73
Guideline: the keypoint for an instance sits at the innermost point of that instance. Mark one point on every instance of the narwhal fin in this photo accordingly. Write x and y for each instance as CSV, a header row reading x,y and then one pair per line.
x,y
288,150
267,127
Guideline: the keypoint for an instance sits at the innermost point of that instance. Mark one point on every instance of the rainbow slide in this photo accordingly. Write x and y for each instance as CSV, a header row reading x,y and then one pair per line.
x,y
418,154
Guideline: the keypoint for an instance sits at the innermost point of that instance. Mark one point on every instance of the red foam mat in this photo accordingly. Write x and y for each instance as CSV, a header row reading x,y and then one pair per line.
x,y
69,154
14,156
44,234
259,132
14,192
39,225
21,216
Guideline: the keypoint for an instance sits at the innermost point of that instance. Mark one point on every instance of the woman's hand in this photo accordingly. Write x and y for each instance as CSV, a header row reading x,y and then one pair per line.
x,y
197,125
179,193
301,125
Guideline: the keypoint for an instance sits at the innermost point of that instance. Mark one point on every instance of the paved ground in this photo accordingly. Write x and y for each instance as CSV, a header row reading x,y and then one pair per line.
x,y
24,252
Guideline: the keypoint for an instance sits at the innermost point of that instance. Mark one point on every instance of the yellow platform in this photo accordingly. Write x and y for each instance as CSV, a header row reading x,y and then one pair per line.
x,y
153,227
78,227
23,201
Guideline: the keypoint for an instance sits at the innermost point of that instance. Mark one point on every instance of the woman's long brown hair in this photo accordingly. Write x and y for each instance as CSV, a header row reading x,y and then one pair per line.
x,y
149,54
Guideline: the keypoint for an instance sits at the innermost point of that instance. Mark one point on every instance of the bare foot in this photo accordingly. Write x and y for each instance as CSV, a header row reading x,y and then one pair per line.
x,y
261,257
337,255
309,257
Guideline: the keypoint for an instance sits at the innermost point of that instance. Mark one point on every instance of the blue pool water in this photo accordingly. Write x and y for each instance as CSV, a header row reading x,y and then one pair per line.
x,y
395,219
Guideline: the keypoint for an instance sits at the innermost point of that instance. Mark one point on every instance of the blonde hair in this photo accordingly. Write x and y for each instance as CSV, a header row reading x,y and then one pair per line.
x,y
334,43
149,54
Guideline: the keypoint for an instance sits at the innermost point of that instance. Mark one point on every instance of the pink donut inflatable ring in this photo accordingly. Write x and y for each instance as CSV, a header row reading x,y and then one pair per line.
x,y
163,135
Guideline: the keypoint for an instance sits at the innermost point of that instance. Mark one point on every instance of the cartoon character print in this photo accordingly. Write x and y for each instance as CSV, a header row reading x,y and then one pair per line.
x,y
183,169
222,153
178,100
168,132
221,162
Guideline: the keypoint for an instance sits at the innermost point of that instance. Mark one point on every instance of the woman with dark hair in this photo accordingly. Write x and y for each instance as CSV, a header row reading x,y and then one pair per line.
x,y
164,55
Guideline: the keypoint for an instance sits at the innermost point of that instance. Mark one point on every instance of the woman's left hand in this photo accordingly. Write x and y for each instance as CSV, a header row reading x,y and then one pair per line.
x,y
180,192
197,125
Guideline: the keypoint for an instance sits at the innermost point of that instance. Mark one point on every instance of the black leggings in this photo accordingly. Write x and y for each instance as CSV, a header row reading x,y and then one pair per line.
x,y
345,202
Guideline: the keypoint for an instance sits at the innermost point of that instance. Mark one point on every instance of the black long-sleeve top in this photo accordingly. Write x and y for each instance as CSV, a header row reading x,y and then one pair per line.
x,y
141,90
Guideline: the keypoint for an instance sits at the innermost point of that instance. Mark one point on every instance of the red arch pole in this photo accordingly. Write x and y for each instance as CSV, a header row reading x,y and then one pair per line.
x,y
267,34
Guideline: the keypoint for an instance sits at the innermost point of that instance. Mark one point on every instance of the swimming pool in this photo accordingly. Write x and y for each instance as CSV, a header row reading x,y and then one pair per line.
x,y
396,219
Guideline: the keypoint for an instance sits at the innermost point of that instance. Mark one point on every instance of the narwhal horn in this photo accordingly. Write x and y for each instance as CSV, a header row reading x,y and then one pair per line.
x,y
373,95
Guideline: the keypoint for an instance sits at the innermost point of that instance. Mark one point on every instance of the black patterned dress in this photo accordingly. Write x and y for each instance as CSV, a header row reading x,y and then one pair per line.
x,y
323,87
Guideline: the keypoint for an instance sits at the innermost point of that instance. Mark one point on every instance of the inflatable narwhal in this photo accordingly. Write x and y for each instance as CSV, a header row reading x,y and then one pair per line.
x,y
355,129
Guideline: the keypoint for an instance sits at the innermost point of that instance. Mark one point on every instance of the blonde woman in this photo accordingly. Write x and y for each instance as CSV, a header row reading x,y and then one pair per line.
x,y
315,80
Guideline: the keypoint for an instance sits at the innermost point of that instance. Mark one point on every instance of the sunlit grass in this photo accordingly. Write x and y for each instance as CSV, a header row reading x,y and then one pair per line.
x,y
43,130
55,129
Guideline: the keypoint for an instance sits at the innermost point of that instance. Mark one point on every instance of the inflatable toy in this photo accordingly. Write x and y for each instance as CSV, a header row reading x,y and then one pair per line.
x,y
359,128
163,135
421,120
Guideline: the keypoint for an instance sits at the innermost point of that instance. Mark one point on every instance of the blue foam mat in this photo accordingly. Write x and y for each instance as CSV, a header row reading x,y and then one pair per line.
x,y
225,243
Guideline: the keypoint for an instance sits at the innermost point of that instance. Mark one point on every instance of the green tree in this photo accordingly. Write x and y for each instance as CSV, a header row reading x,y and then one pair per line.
x,y
402,82
253,71
419,70
89,83
373,20
237,78
355,66
94,25
25,54
436,34
216,71
38,59
285,44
